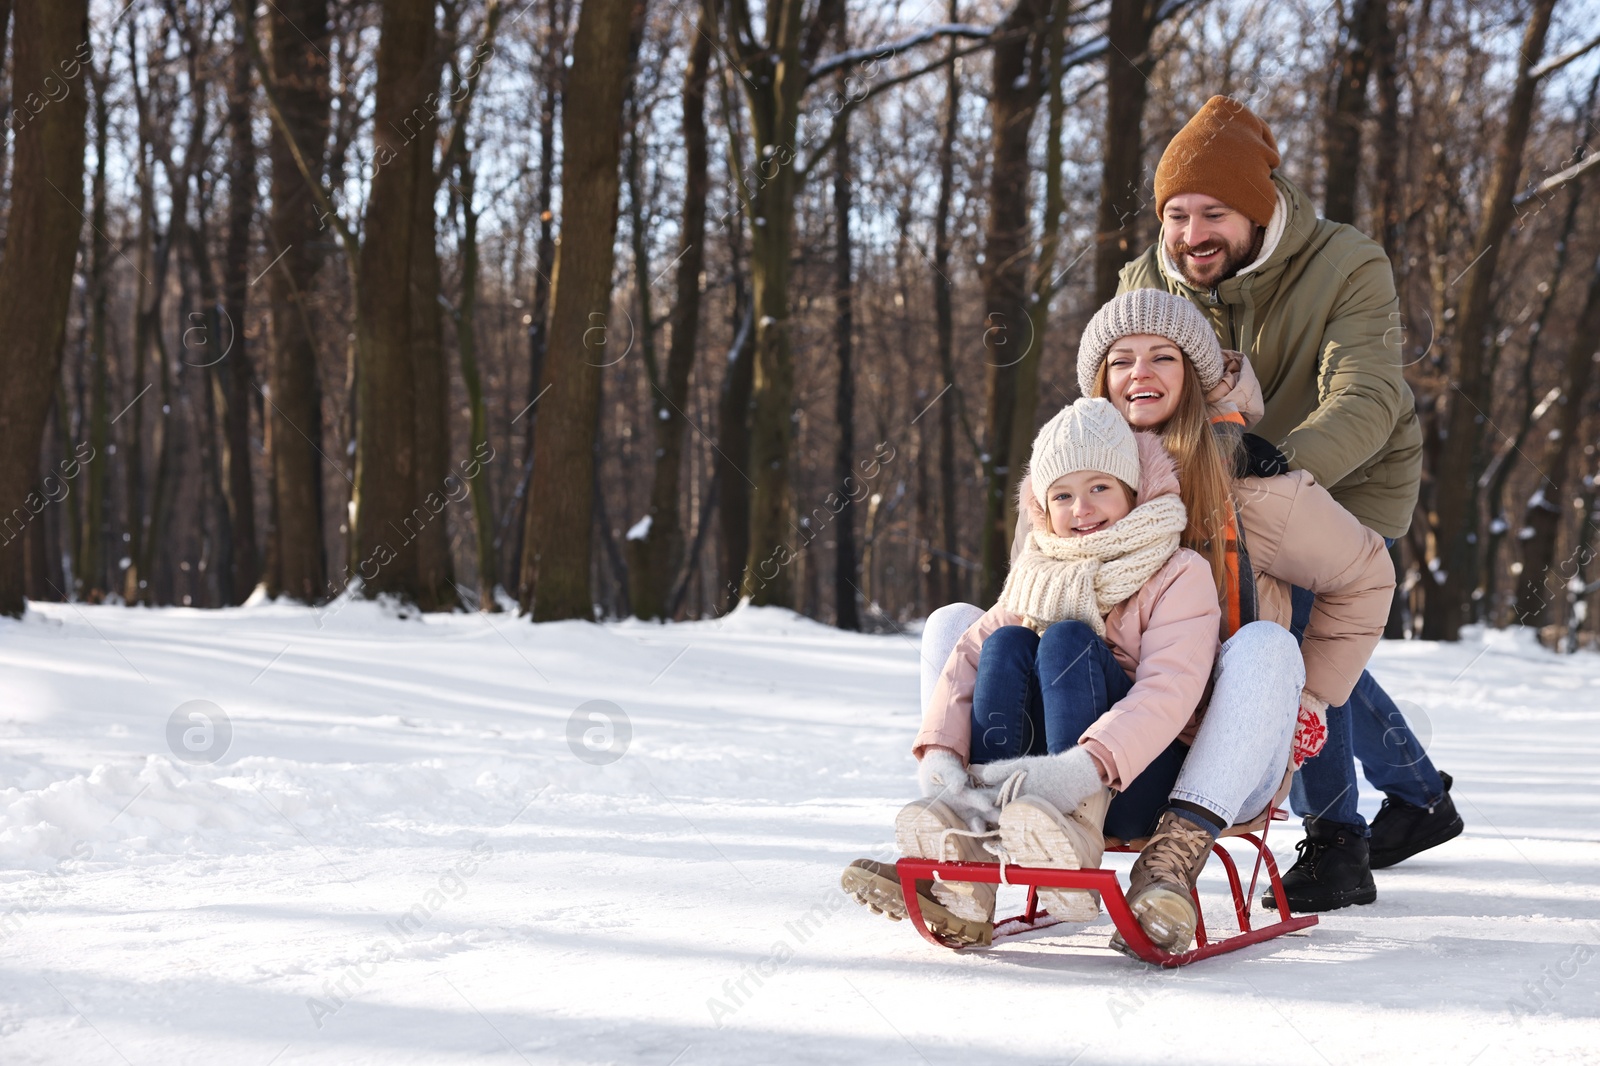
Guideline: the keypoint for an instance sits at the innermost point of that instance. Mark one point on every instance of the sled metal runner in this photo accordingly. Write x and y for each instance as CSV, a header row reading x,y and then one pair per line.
x,y
1106,883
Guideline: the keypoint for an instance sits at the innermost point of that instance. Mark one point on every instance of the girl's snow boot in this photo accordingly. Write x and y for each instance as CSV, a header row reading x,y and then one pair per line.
x,y
929,829
1034,833
877,885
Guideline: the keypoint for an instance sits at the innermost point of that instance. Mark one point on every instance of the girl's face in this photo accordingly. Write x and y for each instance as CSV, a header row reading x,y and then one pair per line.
x,y
1144,379
1084,502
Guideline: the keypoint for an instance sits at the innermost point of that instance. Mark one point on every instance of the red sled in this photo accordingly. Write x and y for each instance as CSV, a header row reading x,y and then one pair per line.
x,y
1109,886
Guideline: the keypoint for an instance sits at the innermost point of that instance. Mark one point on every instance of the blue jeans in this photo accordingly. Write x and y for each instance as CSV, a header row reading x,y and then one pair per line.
x,y
1037,695
1368,727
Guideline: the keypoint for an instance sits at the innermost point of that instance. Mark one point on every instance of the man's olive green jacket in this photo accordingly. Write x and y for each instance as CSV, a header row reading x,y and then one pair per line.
x,y
1319,319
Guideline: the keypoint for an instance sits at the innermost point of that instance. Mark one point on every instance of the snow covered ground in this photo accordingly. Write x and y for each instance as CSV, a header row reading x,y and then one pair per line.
x,y
424,842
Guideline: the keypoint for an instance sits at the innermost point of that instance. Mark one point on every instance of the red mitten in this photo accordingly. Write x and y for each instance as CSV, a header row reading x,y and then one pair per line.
x,y
1311,730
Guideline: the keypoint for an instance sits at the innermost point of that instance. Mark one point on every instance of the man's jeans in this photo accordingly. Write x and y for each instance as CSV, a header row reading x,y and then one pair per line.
x,y
1368,727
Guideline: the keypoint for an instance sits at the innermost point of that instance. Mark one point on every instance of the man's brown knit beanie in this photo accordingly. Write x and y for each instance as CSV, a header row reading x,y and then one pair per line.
x,y
1225,152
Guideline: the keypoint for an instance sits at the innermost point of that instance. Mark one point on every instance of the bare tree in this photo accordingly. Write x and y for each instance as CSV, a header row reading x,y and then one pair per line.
x,y
1129,60
41,248
655,557
1455,508
1362,35
555,565
299,39
234,373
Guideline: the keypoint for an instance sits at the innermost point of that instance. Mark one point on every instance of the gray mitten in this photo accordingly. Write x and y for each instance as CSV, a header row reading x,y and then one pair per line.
x,y
1063,780
942,777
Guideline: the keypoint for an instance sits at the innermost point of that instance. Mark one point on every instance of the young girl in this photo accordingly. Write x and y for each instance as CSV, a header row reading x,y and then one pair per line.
x,y
1084,673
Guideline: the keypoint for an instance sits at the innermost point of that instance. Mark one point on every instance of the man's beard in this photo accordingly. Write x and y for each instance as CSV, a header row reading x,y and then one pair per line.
x,y
1233,258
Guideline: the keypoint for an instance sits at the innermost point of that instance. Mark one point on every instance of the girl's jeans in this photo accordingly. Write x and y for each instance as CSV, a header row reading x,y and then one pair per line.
x,y
1036,695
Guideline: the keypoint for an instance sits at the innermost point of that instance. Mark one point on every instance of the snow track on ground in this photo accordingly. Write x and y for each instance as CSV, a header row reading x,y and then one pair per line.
x,y
402,858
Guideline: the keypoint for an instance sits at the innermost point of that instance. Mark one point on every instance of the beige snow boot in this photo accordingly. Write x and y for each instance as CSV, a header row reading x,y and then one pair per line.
x,y
1161,884
1034,833
929,829
876,885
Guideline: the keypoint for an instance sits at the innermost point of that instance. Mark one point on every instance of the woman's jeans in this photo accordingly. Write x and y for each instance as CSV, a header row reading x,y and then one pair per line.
x,y
1368,727
1037,695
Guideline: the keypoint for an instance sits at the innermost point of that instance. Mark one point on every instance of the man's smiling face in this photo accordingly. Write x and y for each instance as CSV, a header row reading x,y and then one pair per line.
x,y
1206,239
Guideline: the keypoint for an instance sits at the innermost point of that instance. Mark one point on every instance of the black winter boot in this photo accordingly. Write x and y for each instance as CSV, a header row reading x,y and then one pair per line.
x,y
1401,830
1332,870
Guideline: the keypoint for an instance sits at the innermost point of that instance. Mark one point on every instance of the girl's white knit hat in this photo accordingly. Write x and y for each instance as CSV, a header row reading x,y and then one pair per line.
x,y
1087,434
1158,314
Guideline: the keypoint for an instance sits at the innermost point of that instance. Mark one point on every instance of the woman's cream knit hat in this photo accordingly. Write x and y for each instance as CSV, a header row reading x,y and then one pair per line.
x,y
1087,434
1157,313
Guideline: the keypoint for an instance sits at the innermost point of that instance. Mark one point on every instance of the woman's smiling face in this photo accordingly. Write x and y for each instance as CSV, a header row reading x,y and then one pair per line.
x,y
1144,379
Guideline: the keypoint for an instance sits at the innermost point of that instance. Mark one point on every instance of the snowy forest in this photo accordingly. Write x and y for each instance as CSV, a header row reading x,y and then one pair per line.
x,y
832,238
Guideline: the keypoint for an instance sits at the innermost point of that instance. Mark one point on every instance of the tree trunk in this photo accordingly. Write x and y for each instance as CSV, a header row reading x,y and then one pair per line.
x,y
234,373
152,104
478,434
297,568
91,573
738,382
1455,512
657,557
1361,36
40,251
1016,84
777,77
1128,64
555,580
952,582
1542,581
733,439
552,90
392,514
847,567
1583,587
767,579
435,585
1043,287
1387,184
1530,406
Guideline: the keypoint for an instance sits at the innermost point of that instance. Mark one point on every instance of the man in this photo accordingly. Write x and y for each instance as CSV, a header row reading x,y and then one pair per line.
x,y
1312,303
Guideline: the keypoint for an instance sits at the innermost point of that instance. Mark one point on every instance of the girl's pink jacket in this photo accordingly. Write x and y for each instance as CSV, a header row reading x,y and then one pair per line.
x,y
1165,637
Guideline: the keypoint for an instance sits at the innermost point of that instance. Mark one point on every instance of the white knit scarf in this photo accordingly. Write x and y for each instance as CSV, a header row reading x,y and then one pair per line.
x,y
1057,579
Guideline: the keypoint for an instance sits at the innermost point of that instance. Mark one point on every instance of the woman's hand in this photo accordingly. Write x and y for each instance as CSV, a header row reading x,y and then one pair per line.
x,y
943,777
1311,729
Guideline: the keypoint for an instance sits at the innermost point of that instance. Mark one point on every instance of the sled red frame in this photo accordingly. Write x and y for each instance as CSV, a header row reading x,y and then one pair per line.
x,y
1109,886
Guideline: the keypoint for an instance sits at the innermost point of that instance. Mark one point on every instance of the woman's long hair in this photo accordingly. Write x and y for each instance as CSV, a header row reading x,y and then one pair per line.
x,y
1204,482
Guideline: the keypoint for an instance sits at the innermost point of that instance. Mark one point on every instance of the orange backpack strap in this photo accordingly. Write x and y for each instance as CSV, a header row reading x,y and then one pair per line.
x,y
1239,606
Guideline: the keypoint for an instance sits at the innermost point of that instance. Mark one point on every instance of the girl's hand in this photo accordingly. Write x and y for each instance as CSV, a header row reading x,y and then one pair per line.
x,y
943,777
1065,779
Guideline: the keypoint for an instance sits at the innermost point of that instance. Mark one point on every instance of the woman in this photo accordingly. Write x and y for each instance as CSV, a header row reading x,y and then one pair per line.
x,y
1157,360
